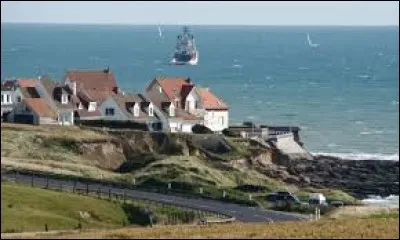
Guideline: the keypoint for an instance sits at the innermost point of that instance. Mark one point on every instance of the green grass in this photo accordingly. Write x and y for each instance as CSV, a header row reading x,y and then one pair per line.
x,y
28,209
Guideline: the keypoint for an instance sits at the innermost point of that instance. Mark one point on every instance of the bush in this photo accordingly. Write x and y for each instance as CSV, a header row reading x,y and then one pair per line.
x,y
201,129
230,133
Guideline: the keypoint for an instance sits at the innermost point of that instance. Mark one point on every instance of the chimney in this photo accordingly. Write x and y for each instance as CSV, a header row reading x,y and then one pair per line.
x,y
188,81
116,90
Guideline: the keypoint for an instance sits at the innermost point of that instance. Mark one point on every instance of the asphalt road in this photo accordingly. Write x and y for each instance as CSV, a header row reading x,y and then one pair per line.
x,y
241,213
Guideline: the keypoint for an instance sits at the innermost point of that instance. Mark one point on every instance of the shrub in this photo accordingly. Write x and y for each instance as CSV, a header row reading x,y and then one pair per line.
x,y
201,129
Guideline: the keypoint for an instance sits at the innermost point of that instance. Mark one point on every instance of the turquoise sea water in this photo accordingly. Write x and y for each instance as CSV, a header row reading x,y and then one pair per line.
x,y
343,94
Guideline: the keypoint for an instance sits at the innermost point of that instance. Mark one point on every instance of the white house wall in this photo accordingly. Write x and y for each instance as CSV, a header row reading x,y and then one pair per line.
x,y
118,114
212,120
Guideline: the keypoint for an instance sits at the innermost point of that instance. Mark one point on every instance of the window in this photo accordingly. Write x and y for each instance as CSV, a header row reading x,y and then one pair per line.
x,y
151,111
8,98
2,98
136,110
177,103
172,111
18,98
110,112
221,120
160,89
64,99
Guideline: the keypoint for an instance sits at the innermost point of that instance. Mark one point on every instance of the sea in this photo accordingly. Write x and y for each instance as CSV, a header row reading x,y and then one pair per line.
x,y
343,94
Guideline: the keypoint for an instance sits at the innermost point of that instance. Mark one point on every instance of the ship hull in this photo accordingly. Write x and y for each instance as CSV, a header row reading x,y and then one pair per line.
x,y
186,59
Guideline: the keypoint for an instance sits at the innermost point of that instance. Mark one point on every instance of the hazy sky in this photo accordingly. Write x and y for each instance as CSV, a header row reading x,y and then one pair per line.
x,y
213,12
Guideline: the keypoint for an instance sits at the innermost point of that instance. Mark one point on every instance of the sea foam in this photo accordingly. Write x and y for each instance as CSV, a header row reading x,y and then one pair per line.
x,y
360,156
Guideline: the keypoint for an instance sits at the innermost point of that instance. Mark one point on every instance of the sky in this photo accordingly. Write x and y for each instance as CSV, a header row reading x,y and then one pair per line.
x,y
204,13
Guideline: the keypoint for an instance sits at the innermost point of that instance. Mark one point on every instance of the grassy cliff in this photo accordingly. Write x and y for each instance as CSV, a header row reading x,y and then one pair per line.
x,y
188,162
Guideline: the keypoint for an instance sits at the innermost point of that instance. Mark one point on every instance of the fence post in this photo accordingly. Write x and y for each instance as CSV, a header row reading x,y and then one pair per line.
x,y
201,190
109,193
250,197
74,187
99,192
87,188
223,194
316,214
124,195
169,185
47,181
32,179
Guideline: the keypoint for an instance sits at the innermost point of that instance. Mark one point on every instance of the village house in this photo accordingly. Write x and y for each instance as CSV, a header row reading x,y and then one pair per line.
x,y
33,104
99,97
7,98
133,107
181,105
89,89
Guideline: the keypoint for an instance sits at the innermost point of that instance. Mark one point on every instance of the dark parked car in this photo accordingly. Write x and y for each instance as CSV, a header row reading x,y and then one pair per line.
x,y
283,196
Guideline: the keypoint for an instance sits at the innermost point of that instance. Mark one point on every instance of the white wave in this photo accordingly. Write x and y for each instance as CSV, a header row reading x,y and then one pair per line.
x,y
365,133
268,77
237,66
390,201
395,102
271,86
363,76
258,102
359,122
332,145
303,68
347,68
251,117
160,69
360,156
378,131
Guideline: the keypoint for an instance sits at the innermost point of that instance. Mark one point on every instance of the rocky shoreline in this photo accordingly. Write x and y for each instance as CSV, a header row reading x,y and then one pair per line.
x,y
358,177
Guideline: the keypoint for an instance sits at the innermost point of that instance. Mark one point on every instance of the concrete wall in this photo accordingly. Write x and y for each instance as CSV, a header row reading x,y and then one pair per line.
x,y
66,118
216,120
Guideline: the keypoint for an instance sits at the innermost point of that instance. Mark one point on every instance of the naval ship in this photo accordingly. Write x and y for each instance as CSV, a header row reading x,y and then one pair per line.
x,y
185,51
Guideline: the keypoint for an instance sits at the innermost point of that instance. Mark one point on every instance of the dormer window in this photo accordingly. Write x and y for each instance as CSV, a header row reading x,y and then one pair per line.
x,y
64,99
171,110
136,110
92,106
160,89
151,113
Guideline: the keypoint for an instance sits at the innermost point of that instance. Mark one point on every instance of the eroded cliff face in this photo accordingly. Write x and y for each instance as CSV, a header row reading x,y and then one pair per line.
x,y
128,151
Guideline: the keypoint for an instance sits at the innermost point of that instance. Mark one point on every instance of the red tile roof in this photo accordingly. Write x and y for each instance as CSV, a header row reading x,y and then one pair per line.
x,y
210,101
30,82
40,107
93,79
172,86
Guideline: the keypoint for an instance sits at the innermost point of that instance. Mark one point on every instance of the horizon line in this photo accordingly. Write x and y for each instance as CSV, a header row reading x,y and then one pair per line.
x,y
194,24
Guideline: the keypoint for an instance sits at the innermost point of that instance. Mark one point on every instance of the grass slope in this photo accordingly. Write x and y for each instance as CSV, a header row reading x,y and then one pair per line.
x,y
28,209
337,229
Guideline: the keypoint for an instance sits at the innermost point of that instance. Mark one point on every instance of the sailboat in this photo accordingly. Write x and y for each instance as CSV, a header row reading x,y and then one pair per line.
x,y
160,32
310,44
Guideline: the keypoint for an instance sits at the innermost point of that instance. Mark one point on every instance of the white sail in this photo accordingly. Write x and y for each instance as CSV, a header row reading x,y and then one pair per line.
x,y
160,32
310,42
